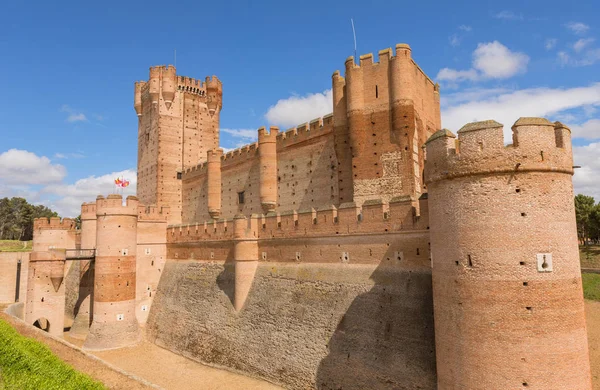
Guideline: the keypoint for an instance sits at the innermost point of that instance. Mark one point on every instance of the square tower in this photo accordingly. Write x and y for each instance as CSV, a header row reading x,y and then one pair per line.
x,y
178,123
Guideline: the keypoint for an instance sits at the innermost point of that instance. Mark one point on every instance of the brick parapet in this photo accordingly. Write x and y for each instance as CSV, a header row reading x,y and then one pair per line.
x,y
54,223
538,145
113,205
311,130
88,211
374,216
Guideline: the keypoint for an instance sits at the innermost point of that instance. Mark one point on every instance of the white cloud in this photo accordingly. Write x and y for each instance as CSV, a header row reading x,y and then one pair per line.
x,y
250,134
23,167
62,156
507,107
447,74
454,40
74,115
299,109
76,118
508,15
577,27
582,44
491,60
496,61
550,43
69,197
588,57
585,179
589,130
563,58
464,27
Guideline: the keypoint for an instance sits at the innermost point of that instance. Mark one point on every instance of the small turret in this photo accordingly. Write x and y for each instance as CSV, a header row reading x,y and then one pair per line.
x,y
214,94
267,152
169,84
154,84
137,97
214,182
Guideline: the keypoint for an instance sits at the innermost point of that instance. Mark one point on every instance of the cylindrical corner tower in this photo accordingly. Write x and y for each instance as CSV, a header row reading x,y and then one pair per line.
x,y
114,323
246,260
507,291
83,308
213,165
267,154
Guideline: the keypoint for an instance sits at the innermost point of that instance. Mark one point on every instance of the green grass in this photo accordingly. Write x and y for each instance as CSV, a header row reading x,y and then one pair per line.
x,y
591,286
15,246
28,364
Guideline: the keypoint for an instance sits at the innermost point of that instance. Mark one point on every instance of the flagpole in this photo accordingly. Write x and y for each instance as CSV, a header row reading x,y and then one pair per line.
x,y
354,34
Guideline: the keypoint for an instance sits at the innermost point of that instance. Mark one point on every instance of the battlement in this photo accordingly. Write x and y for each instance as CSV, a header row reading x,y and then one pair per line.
x,y
214,82
239,155
54,223
153,213
190,85
114,205
312,129
403,52
374,216
264,136
538,145
88,211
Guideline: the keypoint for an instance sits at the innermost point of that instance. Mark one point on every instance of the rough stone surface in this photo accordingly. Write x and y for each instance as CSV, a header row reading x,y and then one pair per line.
x,y
329,326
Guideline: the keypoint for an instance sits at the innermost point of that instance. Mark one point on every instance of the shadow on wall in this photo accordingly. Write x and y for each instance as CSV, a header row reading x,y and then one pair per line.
x,y
385,340
85,294
226,279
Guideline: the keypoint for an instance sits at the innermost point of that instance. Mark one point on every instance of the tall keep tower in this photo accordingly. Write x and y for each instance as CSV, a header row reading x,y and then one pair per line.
x,y
178,124
383,112
508,300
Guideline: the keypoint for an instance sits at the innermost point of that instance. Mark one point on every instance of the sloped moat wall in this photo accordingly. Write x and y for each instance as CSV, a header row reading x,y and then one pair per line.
x,y
329,326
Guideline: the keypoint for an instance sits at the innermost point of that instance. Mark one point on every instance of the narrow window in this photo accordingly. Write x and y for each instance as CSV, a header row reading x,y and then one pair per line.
x,y
241,197
376,92
178,175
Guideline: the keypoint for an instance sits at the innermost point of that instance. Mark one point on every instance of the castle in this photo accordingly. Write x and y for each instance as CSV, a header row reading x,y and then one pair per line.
x,y
365,249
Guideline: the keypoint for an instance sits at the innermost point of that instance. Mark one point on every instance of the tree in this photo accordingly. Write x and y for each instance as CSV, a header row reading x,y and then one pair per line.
x,y
594,223
583,208
16,218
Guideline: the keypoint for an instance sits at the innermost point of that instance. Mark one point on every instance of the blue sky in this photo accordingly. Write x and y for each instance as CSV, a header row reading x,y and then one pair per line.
x,y
66,112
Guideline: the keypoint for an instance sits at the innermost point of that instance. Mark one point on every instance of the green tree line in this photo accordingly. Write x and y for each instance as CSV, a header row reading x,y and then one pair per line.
x,y
587,213
16,218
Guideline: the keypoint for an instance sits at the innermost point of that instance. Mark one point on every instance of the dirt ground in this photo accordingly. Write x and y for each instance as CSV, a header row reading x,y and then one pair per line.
x,y
173,371
160,368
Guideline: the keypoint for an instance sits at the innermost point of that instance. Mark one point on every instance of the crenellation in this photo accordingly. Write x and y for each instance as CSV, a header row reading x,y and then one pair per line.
x,y
481,150
366,59
54,223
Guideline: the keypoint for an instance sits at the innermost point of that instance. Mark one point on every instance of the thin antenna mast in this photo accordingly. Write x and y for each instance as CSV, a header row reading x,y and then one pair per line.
x,y
353,33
